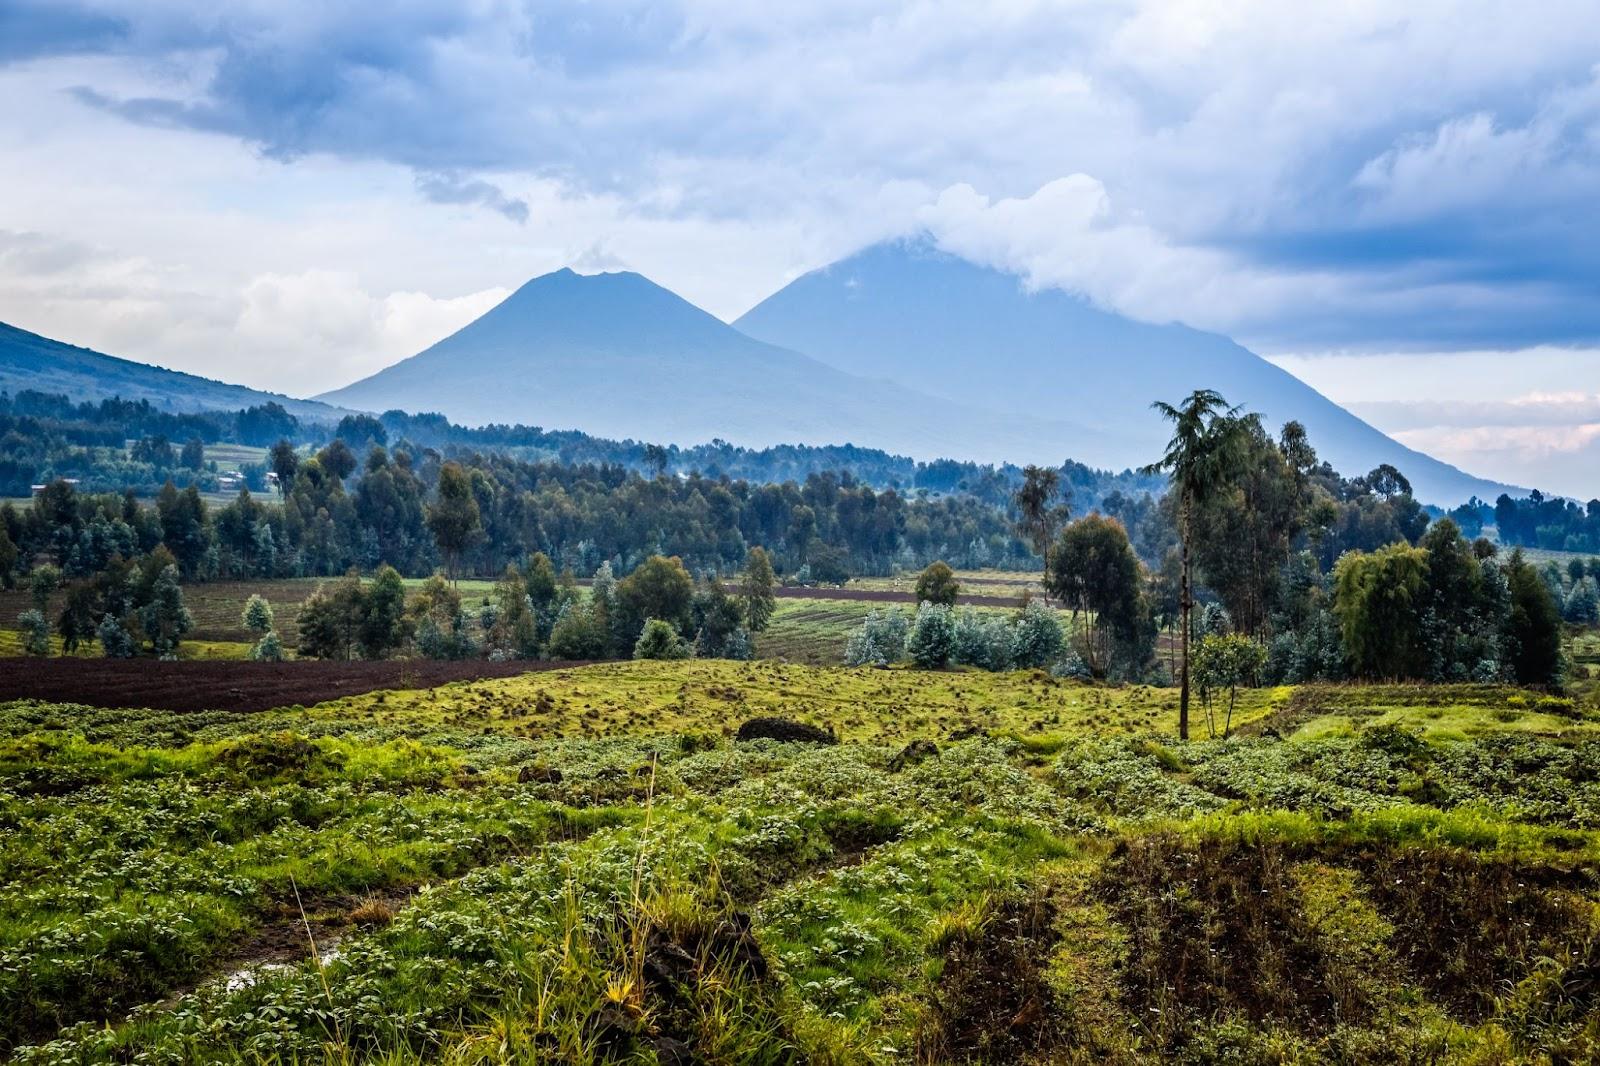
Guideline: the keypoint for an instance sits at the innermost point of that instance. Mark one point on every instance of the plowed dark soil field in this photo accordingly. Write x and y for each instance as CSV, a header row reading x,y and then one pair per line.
x,y
231,686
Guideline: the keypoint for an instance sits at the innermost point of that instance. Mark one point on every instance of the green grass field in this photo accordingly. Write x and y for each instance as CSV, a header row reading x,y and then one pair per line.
x,y
233,456
973,582
11,646
587,866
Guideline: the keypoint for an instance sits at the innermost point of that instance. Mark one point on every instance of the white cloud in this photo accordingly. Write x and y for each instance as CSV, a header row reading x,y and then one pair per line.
x,y
1068,235
297,324
1364,175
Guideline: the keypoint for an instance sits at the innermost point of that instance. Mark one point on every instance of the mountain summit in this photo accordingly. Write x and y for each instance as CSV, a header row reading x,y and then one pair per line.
x,y
910,313
619,356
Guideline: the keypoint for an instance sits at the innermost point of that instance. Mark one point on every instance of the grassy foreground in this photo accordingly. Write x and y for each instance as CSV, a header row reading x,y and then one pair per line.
x,y
586,866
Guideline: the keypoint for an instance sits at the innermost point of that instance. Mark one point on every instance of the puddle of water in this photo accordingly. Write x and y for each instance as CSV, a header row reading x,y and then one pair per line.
x,y
246,976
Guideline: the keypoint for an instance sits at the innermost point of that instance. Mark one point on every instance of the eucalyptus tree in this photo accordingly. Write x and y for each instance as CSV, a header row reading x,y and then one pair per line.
x,y
1201,459
1039,487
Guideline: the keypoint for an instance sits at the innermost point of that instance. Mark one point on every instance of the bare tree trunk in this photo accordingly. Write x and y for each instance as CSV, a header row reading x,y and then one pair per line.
x,y
1185,603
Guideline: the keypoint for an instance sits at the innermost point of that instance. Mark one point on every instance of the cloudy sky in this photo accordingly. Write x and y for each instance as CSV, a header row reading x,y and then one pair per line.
x,y
1395,201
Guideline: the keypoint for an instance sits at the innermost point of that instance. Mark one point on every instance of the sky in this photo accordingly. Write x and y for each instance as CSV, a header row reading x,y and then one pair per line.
x,y
1394,201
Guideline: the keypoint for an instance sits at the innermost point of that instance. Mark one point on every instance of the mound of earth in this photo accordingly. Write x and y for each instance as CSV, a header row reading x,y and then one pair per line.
x,y
785,729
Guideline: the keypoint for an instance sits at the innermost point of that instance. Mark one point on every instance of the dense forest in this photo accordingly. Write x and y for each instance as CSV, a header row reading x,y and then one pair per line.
x,y
115,445
334,514
1327,576
1549,522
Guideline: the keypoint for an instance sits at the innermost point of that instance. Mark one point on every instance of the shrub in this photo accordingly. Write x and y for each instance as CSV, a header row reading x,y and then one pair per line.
x,y
881,640
739,646
1036,637
35,632
580,632
933,636
438,642
115,640
1071,665
981,641
269,649
659,640
257,616
937,584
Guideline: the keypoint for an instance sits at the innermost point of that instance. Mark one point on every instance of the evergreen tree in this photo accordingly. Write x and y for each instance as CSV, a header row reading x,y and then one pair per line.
x,y
937,584
756,586
331,619
257,615
194,455
8,557
164,618
1533,626
455,519
1094,571
661,589
78,621
659,640
716,616
932,639
383,615
115,640
35,632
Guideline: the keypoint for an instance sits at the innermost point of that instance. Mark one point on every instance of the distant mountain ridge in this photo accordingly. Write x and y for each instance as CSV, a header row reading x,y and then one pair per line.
x,y
616,355
900,348
907,312
29,361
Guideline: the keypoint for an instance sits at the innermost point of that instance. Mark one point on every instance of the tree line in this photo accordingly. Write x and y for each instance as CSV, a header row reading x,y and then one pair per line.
x,y
116,444
480,513
1540,521
1272,568
659,611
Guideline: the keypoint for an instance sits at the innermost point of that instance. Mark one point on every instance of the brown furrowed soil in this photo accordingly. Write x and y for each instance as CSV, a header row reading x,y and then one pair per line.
x,y
232,686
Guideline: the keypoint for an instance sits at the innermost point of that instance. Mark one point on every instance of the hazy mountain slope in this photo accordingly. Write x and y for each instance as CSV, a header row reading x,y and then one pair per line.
x,y
616,355
907,312
29,361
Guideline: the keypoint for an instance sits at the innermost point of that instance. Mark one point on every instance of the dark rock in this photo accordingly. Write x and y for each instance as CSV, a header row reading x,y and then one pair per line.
x,y
785,729
667,966
671,1051
538,774
733,942
912,754
613,1027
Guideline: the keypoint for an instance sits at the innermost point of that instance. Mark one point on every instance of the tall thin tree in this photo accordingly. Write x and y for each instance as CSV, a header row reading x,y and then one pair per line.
x,y
1039,520
1200,458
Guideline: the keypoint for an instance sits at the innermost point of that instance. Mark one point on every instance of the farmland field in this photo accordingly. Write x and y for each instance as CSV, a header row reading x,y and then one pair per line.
x,y
810,626
589,865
